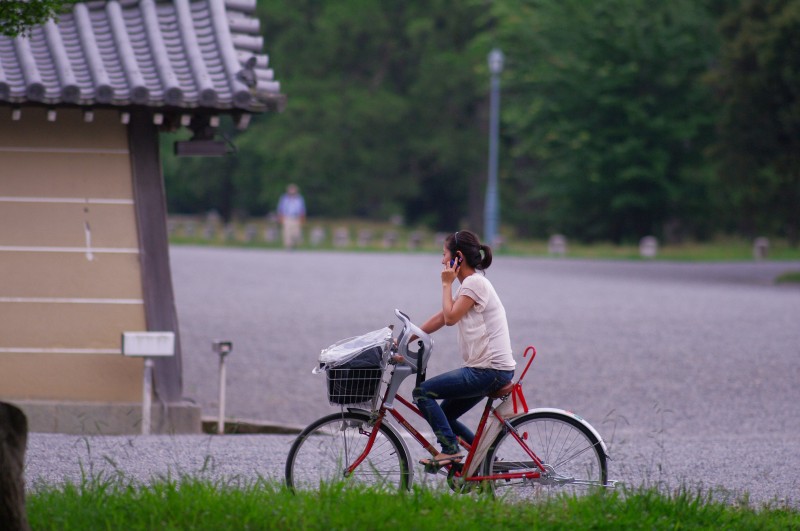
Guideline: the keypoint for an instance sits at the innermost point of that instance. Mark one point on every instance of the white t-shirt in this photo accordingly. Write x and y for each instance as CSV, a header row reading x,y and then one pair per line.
x,y
483,336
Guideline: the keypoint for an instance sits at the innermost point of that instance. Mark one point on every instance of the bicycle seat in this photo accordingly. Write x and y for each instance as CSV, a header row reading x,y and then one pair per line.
x,y
503,391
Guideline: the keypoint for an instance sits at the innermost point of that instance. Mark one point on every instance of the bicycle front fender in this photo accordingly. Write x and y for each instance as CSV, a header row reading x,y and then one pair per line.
x,y
570,414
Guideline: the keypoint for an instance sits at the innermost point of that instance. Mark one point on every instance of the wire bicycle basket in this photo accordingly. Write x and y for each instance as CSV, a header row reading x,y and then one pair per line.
x,y
354,367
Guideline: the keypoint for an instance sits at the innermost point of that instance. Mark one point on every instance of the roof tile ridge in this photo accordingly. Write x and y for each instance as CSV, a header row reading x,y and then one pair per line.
x,y
173,95
34,87
241,94
70,91
205,87
244,6
138,91
104,92
5,88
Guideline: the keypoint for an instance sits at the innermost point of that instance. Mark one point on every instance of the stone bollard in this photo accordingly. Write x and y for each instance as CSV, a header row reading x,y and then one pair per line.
x,y
341,237
317,236
557,245
212,223
364,237
271,233
414,240
13,441
648,247
389,239
760,248
250,233
209,231
230,232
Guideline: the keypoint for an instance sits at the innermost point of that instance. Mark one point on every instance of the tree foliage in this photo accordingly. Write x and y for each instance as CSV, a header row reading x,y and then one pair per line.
x,y
17,17
619,118
759,142
607,116
383,114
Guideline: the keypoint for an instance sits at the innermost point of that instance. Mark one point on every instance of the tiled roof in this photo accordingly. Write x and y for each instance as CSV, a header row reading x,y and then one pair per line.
x,y
184,54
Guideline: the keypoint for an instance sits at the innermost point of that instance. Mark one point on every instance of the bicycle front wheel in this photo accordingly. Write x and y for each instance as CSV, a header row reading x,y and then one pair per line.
x,y
573,457
324,451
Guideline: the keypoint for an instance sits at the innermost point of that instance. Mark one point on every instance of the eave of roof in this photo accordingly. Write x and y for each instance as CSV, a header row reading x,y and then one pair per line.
x,y
180,55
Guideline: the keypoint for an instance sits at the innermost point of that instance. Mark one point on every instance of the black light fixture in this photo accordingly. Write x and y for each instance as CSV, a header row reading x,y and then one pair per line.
x,y
201,148
202,143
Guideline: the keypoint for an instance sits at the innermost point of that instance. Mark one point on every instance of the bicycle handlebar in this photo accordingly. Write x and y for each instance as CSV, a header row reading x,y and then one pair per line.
x,y
412,362
409,333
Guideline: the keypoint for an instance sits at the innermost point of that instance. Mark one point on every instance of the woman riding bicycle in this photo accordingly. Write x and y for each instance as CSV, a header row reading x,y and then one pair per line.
x,y
483,340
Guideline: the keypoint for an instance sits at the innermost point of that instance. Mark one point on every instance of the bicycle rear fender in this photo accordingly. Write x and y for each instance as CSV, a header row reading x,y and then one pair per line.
x,y
570,414
394,431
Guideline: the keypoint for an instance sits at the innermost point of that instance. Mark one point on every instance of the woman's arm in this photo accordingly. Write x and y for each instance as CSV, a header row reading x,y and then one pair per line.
x,y
433,324
456,310
453,311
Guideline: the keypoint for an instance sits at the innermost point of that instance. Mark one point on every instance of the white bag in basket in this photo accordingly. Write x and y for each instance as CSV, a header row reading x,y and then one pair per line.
x,y
345,350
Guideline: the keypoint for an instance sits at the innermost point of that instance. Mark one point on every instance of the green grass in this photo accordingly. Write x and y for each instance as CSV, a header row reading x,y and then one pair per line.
x,y
252,234
790,277
197,504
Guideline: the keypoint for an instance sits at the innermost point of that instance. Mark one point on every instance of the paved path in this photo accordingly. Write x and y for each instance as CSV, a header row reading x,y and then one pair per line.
x,y
689,371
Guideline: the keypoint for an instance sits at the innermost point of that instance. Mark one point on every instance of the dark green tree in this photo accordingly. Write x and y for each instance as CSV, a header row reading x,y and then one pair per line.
x,y
18,17
759,147
384,113
607,116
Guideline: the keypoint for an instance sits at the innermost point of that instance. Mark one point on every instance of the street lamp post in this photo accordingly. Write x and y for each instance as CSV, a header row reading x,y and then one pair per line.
x,y
492,207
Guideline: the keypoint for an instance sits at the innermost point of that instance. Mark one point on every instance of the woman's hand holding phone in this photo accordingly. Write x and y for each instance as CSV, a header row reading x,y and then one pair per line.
x,y
450,271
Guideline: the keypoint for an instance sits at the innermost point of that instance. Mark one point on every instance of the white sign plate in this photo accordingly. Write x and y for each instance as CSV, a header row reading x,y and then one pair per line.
x,y
148,343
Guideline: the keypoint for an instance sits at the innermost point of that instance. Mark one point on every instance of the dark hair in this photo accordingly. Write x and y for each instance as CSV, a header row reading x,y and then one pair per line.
x,y
477,255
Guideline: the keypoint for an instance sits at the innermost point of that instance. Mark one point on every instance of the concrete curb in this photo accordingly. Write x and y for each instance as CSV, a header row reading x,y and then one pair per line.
x,y
249,427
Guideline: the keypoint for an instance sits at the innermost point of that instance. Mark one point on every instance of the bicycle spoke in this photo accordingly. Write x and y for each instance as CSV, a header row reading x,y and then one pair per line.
x,y
327,449
572,458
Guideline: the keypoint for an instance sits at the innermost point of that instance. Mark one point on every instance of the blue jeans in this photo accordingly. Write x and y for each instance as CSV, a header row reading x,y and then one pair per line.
x,y
459,391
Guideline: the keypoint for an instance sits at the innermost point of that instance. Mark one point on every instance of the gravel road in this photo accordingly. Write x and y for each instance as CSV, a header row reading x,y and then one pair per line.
x,y
689,371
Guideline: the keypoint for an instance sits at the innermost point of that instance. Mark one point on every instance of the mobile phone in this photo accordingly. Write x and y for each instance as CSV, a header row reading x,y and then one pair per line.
x,y
453,261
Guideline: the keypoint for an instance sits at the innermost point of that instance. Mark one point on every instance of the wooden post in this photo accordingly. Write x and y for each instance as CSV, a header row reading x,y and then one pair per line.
x,y
13,441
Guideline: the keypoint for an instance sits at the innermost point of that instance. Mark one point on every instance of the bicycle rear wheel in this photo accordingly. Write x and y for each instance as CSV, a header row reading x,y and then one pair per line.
x,y
322,453
573,456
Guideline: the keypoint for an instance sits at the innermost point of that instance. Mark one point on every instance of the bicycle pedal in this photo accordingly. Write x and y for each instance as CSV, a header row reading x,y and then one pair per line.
x,y
432,468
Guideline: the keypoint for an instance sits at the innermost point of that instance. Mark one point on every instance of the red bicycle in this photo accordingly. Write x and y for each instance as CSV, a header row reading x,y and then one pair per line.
x,y
525,452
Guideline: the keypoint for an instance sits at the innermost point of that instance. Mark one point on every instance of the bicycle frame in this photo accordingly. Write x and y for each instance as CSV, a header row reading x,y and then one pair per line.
x,y
524,466
427,445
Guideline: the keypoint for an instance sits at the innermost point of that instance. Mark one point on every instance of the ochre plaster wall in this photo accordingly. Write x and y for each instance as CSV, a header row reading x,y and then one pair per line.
x,y
70,280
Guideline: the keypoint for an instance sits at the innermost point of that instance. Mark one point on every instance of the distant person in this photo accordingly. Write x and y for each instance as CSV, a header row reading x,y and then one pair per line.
x,y
291,215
